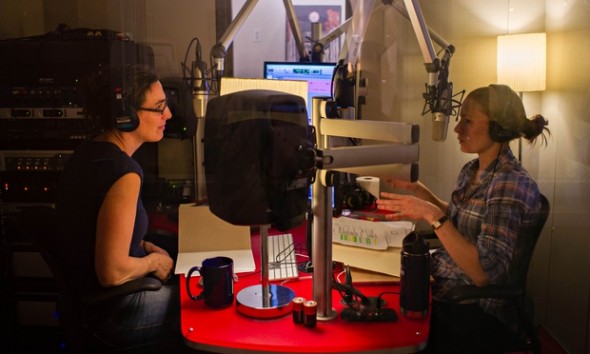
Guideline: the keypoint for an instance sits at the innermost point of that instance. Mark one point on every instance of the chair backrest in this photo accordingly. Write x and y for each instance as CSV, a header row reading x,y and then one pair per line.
x,y
39,225
525,246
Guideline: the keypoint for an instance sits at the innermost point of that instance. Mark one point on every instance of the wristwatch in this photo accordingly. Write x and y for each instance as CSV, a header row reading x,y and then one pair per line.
x,y
438,223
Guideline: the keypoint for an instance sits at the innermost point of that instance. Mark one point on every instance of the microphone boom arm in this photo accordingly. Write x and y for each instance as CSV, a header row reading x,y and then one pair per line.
x,y
218,51
439,92
424,34
292,16
414,13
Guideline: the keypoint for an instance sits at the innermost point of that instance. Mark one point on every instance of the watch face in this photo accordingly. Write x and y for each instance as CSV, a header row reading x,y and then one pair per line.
x,y
438,223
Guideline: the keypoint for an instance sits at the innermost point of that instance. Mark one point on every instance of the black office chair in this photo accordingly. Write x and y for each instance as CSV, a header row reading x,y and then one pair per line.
x,y
514,290
39,225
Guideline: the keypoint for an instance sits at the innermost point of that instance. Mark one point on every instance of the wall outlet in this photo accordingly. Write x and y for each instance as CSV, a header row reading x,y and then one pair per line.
x,y
256,36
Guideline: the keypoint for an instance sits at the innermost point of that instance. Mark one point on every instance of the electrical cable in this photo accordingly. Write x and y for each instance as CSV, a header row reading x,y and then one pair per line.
x,y
185,68
188,71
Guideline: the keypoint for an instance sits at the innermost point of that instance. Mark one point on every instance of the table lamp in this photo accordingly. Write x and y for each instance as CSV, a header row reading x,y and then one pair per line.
x,y
522,64
522,61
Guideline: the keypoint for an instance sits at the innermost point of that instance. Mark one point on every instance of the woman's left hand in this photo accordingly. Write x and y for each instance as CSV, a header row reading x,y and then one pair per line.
x,y
405,207
150,247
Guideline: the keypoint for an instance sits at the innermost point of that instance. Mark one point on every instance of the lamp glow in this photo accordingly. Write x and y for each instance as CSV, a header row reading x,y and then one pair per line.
x,y
522,61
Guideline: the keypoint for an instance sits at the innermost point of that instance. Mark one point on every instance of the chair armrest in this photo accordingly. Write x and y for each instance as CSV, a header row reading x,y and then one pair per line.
x,y
470,292
427,234
431,237
131,287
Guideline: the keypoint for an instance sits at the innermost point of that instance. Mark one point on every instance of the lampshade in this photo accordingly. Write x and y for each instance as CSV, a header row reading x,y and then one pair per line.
x,y
522,61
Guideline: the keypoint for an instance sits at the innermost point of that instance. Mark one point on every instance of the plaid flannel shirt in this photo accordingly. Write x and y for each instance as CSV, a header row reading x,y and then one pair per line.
x,y
489,215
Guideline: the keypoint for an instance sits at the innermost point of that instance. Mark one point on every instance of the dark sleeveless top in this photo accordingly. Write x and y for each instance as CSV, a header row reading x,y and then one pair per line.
x,y
89,174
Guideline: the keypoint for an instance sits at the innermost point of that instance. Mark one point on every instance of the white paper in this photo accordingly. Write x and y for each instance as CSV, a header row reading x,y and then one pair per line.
x,y
377,235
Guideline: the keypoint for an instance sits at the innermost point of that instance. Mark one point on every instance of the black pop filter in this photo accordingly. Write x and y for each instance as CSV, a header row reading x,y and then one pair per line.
x,y
259,158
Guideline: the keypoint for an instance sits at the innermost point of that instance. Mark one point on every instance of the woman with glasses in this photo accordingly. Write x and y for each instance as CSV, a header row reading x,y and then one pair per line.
x,y
102,219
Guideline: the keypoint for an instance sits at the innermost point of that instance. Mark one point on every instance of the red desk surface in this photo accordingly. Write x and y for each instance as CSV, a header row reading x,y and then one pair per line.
x,y
228,331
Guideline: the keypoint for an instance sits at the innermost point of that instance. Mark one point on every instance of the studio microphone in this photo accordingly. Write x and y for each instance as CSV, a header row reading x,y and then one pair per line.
x,y
218,54
200,88
439,97
441,113
344,83
200,76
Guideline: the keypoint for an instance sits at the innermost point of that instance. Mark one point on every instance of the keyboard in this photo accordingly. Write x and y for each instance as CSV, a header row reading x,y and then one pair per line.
x,y
281,257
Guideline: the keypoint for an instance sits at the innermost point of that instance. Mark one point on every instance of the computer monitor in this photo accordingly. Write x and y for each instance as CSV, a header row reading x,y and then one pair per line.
x,y
318,75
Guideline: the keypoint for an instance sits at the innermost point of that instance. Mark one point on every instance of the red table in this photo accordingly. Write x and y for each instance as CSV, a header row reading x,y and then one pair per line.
x,y
227,331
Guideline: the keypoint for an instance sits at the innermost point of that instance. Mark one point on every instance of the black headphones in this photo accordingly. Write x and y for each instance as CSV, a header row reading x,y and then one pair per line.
x,y
501,135
497,132
125,120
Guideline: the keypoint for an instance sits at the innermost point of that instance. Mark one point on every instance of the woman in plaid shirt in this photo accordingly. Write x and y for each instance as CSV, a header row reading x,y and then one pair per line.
x,y
494,198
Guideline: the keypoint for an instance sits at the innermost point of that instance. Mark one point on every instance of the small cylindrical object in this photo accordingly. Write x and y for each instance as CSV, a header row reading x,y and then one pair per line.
x,y
298,309
414,276
310,311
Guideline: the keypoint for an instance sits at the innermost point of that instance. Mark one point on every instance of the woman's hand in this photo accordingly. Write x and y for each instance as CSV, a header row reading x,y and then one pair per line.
x,y
160,265
164,264
408,207
419,191
150,247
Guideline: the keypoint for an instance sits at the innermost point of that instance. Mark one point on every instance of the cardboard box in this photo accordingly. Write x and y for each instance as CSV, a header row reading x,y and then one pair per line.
x,y
202,235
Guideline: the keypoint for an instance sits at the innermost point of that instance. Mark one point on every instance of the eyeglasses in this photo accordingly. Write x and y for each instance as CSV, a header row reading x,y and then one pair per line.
x,y
155,110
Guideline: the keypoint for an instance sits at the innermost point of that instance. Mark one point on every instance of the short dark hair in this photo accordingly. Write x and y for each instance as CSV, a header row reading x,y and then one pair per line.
x,y
98,91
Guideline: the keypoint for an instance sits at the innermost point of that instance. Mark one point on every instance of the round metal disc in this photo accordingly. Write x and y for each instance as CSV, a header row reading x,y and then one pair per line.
x,y
250,301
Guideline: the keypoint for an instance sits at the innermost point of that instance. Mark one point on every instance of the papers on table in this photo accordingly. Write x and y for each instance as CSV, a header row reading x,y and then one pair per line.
x,y
370,245
370,234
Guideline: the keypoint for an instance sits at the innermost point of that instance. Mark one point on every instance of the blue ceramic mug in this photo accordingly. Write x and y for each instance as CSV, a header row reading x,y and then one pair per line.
x,y
218,282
